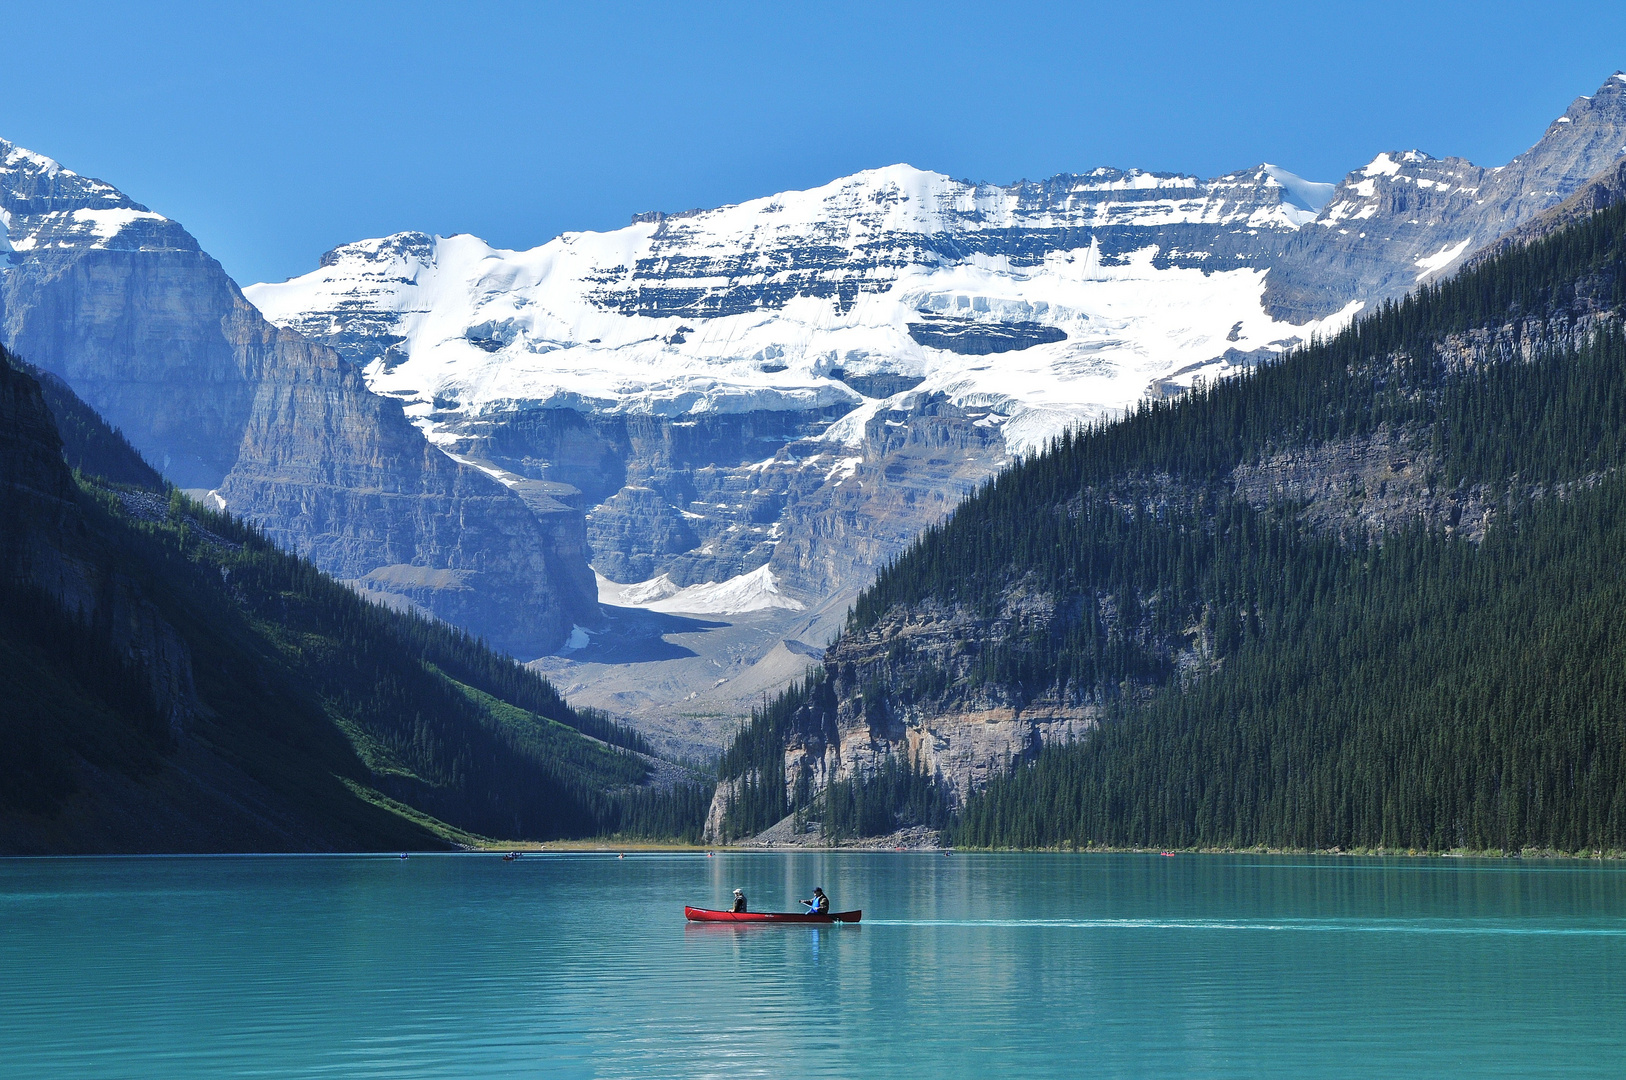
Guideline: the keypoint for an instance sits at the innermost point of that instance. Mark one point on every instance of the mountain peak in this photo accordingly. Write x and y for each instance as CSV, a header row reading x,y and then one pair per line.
x,y
31,183
44,206
382,249
1607,102
19,157
1391,162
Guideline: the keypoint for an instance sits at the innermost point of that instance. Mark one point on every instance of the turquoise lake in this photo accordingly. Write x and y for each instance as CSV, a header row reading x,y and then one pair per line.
x,y
581,965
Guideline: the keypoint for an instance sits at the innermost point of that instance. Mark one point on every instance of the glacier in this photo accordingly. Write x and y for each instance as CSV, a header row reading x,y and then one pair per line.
x,y
778,303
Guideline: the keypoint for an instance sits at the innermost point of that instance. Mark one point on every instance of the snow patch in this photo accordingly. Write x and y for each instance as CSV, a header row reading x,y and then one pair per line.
x,y
107,224
849,430
578,639
1304,194
843,469
753,591
1442,258
1382,165
644,592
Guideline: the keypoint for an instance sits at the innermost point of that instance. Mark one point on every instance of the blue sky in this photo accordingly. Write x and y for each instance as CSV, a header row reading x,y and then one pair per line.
x,y
274,132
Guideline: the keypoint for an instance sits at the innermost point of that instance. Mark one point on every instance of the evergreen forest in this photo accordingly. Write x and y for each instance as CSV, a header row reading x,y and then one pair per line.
x,y
303,716
1363,597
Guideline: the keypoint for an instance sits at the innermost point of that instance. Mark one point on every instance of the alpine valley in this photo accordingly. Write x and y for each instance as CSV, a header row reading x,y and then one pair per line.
x,y
756,407
1117,508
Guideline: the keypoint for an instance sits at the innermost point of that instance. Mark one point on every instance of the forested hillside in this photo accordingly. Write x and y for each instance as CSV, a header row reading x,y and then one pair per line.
x,y
174,682
1365,596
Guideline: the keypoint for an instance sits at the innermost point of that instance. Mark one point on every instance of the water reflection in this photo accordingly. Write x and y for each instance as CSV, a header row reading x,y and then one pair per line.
x,y
582,965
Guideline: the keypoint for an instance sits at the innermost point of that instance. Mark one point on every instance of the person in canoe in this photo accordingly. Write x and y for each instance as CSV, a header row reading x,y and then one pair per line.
x,y
819,905
739,901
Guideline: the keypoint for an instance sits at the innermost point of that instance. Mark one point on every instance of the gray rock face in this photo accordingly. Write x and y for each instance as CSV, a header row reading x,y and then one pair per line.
x,y
106,294
122,305
694,498
712,497
1408,216
913,467
970,338
1599,193
340,475
962,731
1220,223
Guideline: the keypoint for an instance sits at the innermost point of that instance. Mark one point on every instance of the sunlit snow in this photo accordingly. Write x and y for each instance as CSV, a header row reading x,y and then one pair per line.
x,y
107,224
753,591
1429,264
488,328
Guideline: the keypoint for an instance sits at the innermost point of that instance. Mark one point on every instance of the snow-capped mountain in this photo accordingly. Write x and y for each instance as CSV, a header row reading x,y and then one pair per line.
x,y
56,207
121,303
1406,217
1087,288
803,381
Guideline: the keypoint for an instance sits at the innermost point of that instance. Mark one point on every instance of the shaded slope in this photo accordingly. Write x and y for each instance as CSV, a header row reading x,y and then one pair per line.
x,y
174,682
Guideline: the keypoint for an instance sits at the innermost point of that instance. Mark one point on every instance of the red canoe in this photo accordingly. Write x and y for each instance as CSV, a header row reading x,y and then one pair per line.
x,y
694,914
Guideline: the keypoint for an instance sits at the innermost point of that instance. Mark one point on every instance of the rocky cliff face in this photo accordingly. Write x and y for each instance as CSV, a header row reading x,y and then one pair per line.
x,y
1407,217
946,724
1601,192
122,304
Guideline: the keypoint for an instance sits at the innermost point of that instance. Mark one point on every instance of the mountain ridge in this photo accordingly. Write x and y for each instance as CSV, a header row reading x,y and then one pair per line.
x,y
805,380
122,305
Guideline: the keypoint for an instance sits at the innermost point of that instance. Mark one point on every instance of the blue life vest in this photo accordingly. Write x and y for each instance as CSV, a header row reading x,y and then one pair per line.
x,y
821,906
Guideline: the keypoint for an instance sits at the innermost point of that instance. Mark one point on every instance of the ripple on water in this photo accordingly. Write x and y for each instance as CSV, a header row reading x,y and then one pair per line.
x,y
580,965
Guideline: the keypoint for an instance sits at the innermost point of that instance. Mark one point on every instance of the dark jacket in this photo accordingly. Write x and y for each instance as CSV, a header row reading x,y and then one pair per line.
x,y
739,903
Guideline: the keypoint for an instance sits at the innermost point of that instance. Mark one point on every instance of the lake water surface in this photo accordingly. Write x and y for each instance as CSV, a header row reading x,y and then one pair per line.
x,y
968,966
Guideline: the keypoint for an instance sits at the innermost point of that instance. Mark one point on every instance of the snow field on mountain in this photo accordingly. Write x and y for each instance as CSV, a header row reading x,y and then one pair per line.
x,y
490,328
754,590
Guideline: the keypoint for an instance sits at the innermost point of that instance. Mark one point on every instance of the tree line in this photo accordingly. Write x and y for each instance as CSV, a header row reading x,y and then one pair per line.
x,y
1406,687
